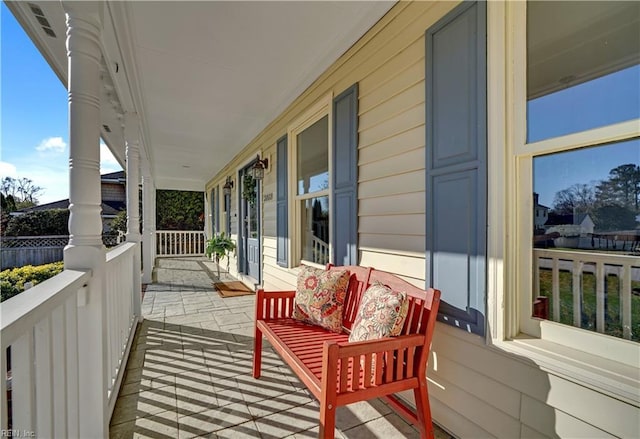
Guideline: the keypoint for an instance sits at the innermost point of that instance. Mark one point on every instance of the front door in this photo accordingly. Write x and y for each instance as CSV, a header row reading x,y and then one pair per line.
x,y
250,225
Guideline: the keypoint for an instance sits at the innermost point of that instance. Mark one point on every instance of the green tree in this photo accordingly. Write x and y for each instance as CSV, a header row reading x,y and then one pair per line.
x,y
622,188
8,203
179,210
613,218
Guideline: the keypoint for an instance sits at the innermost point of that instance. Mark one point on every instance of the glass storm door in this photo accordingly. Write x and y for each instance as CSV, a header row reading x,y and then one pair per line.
x,y
250,258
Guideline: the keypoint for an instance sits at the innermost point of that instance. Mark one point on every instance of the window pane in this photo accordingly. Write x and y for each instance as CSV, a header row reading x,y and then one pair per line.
x,y
313,157
315,230
583,66
586,218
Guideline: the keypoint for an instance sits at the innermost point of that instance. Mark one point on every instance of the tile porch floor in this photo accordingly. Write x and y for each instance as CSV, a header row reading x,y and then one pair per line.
x,y
189,372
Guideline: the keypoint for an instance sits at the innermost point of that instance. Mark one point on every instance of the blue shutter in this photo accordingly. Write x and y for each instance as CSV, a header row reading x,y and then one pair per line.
x,y
345,177
282,208
456,164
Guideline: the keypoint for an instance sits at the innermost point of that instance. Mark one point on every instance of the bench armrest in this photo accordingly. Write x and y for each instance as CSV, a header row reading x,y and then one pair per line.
x,y
274,304
361,365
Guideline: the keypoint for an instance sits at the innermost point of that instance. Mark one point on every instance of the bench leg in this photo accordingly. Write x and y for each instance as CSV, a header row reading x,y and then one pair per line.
x,y
327,428
257,352
423,411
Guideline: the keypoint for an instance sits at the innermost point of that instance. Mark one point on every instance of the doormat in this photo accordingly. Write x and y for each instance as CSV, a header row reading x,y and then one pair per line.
x,y
232,289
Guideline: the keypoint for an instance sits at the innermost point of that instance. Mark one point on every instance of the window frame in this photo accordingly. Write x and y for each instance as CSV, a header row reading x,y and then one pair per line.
x,y
542,339
322,108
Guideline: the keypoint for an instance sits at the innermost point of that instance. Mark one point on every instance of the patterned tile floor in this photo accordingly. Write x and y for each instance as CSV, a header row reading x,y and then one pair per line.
x,y
189,373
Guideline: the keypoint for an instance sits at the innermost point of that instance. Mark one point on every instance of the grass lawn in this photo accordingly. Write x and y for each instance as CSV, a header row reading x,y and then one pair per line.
x,y
613,317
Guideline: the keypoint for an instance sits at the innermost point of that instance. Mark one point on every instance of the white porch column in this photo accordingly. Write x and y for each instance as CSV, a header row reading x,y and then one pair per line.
x,y
85,249
132,138
148,227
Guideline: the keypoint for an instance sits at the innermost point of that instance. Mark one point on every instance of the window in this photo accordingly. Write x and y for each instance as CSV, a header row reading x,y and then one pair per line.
x,y
580,159
312,190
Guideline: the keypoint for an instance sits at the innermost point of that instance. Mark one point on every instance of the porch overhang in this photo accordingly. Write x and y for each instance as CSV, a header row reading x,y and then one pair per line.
x,y
204,78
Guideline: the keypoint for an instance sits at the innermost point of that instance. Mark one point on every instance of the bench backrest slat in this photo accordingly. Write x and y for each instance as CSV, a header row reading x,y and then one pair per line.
x,y
358,283
420,301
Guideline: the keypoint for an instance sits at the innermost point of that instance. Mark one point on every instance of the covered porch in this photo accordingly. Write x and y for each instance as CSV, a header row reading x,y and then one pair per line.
x,y
189,372
193,95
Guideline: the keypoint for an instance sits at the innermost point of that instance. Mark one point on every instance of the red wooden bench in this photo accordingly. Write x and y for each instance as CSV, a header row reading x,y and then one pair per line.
x,y
338,372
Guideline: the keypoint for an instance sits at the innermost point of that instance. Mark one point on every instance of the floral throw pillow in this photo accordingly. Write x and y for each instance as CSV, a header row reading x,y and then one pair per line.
x,y
382,313
320,297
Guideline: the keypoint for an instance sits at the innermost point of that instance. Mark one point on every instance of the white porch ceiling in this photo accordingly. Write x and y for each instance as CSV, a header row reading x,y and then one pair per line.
x,y
207,77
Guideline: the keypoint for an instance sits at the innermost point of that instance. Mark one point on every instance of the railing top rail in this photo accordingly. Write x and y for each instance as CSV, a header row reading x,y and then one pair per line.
x,y
179,231
23,311
119,250
583,256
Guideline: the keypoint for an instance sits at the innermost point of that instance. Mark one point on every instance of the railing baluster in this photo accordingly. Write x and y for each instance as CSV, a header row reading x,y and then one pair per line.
x,y
44,379
555,289
4,400
576,284
625,300
71,364
600,296
23,406
59,365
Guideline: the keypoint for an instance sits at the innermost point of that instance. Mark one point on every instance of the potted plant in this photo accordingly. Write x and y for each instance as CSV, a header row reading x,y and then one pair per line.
x,y
220,246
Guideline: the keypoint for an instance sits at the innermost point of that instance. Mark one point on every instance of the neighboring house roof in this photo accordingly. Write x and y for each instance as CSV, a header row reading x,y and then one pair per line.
x,y
556,220
62,204
579,218
111,208
114,177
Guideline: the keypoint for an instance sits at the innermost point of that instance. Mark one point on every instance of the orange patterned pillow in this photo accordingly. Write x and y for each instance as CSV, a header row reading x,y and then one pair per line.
x,y
382,313
320,297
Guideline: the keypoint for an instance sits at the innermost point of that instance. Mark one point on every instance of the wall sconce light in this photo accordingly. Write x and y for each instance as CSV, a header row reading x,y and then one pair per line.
x,y
257,171
228,185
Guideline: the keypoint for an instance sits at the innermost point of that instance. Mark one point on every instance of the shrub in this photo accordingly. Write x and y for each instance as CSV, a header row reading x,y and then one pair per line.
x,y
119,223
179,210
39,223
12,280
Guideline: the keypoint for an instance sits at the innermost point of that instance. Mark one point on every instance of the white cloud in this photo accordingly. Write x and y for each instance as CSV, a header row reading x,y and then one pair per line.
x,y
108,162
8,170
53,144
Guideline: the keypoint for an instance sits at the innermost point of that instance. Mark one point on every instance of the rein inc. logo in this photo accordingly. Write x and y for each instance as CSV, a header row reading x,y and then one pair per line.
x,y
17,433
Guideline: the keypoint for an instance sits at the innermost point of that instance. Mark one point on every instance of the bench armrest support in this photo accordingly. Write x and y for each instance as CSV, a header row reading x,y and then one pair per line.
x,y
274,304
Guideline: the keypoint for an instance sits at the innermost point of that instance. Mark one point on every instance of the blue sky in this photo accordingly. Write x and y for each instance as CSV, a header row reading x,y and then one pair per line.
x,y
606,100
34,116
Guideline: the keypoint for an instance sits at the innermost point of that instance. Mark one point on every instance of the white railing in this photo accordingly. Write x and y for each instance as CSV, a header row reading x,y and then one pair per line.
x,y
121,321
43,354
180,243
601,265
40,370
320,250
